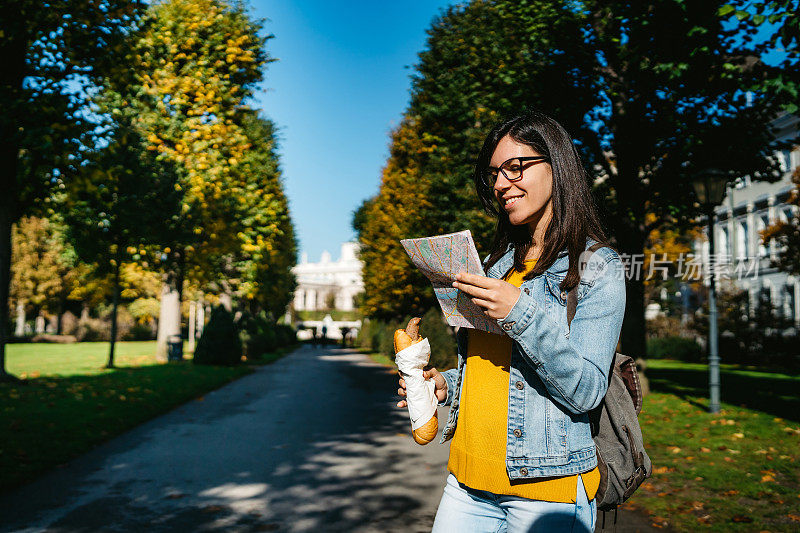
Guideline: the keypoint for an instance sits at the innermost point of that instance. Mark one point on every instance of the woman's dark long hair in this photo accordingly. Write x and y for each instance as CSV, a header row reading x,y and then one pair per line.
x,y
574,211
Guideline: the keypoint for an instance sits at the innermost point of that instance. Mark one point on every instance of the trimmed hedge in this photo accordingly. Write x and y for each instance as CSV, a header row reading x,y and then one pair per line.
x,y
220,343
674,347
378,336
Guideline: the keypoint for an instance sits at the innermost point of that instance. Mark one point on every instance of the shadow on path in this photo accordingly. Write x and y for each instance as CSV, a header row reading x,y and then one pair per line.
x,y
313,442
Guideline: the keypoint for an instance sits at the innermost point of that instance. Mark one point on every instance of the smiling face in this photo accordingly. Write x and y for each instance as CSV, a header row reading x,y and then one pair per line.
x,y
528,200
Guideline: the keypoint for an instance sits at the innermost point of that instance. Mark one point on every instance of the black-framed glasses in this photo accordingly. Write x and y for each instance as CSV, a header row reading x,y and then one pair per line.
x,y
512,169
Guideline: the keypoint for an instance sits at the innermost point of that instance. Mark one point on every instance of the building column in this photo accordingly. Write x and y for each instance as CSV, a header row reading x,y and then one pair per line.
x,y
732,240
796,285
773,216
192,325
311,300
19,329
299,300
752,240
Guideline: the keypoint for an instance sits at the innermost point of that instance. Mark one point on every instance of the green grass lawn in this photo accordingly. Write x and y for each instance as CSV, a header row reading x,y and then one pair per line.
x,y
70,403
734,471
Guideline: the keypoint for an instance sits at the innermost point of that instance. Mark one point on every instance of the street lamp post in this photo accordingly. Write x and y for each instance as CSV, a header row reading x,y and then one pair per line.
x,y
709,187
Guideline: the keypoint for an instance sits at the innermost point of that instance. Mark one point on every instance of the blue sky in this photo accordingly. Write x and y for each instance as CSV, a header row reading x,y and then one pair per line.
x,y
340,85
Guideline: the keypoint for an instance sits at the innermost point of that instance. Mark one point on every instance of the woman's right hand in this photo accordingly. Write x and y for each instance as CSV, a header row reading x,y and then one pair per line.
x,y
440,390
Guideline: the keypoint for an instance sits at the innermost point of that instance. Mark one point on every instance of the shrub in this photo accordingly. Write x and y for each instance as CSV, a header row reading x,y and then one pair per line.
x,y
375,336
93,330
261,335
444,353
385,337
364,339
139,332
285,335
220,343
674,347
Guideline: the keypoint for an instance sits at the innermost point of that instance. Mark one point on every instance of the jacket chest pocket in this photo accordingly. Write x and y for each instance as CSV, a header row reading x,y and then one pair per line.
x,y
555,300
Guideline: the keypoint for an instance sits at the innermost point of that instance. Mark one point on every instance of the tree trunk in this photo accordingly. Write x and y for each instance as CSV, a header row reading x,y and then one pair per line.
x,y
201,318
12,77
114,306
169,316
631,239
192,320
19,330
226,302
60,317
5,280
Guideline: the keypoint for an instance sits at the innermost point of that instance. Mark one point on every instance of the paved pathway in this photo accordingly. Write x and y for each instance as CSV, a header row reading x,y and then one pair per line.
x,y
312,442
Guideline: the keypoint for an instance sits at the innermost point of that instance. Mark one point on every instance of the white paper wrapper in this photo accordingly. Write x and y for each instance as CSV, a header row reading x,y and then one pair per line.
x,y
420,394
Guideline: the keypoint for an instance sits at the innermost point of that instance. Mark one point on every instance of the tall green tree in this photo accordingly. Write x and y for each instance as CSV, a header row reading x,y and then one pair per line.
x,y
652,92
191,68
120,205
45,270
44,47
483,60
267,241
683,90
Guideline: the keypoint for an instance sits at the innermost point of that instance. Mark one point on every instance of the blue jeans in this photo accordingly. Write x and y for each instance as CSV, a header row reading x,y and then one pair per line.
x,y
463,509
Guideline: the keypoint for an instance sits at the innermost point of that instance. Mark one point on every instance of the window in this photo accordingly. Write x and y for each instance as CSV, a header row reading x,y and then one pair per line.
x,y
788,302
742,237
785,159
762,222
722,242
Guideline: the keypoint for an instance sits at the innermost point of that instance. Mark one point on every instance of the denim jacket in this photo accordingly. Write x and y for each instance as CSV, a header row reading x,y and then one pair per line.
x,y
557,374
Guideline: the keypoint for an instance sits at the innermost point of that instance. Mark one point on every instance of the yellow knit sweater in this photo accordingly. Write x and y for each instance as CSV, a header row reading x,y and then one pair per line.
x,y
478,448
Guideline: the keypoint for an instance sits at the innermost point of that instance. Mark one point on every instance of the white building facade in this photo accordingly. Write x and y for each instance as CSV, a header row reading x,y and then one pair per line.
x,y
748,208
329,286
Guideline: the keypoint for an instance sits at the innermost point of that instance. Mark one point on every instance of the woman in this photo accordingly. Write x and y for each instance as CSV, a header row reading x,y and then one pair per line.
x,y
522,456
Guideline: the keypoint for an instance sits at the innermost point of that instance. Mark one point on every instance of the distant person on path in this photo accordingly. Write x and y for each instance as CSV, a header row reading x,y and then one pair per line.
x,y
324,335
522,458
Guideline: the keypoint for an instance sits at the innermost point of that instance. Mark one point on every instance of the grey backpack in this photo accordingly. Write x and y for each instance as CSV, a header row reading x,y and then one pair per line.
x,y
621,457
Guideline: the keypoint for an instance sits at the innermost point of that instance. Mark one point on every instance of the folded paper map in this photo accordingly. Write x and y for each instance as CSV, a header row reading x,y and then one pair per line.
x,y
441,258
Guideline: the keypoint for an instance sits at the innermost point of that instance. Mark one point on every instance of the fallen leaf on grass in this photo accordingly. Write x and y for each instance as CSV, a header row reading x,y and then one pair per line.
x,y
705,519
704,450
662,470
766,478
793,517
741,519
737,436
731,493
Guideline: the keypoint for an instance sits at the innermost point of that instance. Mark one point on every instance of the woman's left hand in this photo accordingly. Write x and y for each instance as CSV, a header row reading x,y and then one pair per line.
x,y
495,296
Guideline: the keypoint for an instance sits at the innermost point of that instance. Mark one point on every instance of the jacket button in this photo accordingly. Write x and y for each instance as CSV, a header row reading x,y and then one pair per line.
x,y
519,385
563,294
518,433
527,290
523,471
507,327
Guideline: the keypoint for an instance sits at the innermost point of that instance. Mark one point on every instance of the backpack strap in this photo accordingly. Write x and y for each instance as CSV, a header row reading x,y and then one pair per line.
x,y
572,295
